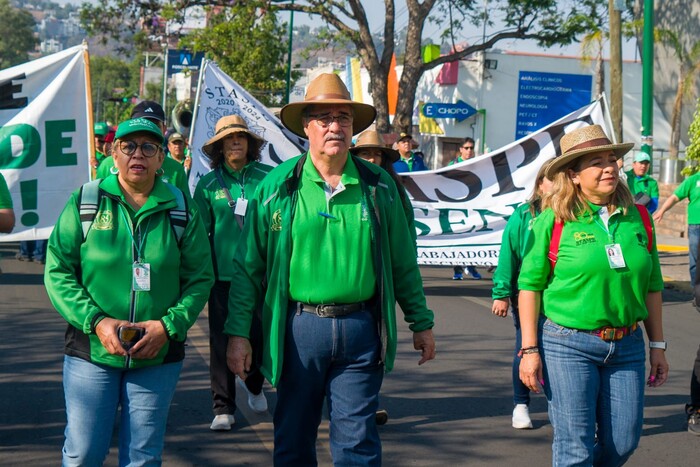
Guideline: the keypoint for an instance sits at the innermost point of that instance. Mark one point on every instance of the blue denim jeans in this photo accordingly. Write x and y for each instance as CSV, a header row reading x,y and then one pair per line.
x,y
336,359
693,242
93,394
595,391
521,393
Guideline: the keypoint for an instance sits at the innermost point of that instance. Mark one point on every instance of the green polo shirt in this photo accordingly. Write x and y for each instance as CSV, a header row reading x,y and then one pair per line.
x,y
585,292
5,198
331,259
690,188
456,160
643,184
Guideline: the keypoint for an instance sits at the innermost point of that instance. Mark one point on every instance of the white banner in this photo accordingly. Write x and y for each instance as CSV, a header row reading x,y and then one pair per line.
x,y
218,95
461,210
44,138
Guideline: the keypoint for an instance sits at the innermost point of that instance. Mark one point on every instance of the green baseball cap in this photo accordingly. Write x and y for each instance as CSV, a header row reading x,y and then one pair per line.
x,y
101,129
138,125
642,157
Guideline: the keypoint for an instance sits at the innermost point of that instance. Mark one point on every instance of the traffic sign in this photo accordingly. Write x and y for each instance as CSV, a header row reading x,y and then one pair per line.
x,y
461,110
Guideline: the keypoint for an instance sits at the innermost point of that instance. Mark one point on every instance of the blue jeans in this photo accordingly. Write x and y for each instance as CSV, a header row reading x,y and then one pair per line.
x,y
33,249
693,242
595,391
94,392
337,359
521,393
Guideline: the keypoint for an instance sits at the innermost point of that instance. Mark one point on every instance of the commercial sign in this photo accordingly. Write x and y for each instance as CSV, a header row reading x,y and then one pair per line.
x,y
545,97
460,111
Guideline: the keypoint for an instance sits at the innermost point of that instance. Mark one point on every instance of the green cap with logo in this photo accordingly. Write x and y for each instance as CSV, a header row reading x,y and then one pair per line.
x,y
138,125
101,129
642,157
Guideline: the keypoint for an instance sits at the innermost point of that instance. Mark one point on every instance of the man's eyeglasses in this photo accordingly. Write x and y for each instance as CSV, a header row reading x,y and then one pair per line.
x,y
466,148
326,120
147,149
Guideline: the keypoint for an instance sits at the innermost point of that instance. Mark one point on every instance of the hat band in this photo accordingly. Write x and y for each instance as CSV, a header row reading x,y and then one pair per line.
x,y
323,97
233,125
590,144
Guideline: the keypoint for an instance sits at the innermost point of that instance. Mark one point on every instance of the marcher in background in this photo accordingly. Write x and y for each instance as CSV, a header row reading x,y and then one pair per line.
x,y
505,285
409,161
644,188
32,250
692,410
178,151
326,231
7,214
690,188
109,140
100,130
222,197
467,150
582,310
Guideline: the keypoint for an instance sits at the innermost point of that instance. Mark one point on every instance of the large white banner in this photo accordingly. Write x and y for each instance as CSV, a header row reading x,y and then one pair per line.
x,y
218,95
461,210
44,138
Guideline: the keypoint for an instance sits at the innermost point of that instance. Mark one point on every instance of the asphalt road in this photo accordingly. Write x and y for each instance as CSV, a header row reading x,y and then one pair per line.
x,y
454,410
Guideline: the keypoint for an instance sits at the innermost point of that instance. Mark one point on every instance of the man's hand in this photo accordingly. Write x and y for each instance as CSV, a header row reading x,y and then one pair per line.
x,y
500,307
425,342
106,331
239,356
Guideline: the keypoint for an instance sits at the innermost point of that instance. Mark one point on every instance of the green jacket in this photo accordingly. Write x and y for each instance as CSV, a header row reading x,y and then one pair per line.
x,y
173,172
267,253
219,222
90,279
510,257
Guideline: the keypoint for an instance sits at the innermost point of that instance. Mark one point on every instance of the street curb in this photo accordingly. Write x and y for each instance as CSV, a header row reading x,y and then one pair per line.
x,y
681,286
672,248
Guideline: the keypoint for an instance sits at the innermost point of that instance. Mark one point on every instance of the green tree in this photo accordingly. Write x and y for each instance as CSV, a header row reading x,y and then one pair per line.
x,y
17,39
244,40
111,77
692,152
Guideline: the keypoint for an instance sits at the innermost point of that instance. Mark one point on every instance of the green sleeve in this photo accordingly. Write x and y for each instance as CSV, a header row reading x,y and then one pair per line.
x,y
63,269
654,190
203,203
196,279
506,276
179,179
104,167
535,270
5,198
683,189
410,217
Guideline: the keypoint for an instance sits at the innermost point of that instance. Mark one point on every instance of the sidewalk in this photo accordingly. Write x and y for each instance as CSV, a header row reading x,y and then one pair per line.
x,y
673,257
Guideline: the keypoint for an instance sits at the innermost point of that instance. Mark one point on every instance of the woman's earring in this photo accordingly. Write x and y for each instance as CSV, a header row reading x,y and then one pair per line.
x,y
160,171
114,170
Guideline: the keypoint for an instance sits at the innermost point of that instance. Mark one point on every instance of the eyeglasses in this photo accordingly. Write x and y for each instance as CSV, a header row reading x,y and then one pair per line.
x,y
326,120
147,149
468,147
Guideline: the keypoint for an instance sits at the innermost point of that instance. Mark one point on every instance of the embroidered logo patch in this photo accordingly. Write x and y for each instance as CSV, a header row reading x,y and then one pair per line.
x,y
220,194
103,221
582,238
276,221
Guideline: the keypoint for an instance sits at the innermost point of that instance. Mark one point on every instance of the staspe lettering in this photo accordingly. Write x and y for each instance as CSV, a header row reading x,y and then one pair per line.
x,y
220,91
8,89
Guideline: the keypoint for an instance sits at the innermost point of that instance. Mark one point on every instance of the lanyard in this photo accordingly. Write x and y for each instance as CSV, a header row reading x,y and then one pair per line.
x,y
599,223
138,245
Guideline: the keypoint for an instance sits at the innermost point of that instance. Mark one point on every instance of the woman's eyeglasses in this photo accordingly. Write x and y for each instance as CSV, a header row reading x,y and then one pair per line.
x,y
147,149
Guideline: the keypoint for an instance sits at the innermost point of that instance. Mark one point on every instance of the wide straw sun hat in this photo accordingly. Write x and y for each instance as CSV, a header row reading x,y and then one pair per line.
x,y
371,139
227,126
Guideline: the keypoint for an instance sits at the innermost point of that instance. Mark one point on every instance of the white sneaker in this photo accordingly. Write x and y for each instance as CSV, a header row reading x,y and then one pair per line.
x,y
222,422
521,417
256,402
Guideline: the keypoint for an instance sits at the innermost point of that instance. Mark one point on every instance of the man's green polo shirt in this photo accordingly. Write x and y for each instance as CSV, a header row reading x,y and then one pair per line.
x,y
5,198
331,258
585,292
690,188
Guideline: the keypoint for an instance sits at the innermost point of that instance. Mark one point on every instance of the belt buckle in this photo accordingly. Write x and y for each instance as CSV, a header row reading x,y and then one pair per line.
x,y
607,334
319,311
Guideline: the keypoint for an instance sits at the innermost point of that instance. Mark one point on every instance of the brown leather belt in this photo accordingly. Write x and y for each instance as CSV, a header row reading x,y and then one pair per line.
x,y
333,310
609,333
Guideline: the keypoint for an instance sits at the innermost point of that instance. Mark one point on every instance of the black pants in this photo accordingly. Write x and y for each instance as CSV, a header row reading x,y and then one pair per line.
x,y
223,381
695,377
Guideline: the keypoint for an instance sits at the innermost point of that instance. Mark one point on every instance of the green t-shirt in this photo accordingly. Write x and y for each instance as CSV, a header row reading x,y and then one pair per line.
x,y
331,259
585,292
5,198
690,188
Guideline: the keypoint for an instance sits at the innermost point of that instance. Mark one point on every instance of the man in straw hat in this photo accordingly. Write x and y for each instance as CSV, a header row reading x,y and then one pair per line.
x,y
327,234
222,197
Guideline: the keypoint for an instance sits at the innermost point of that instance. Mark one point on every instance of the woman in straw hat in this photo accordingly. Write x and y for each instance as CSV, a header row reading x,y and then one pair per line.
x,y
581,299
505,284
222,197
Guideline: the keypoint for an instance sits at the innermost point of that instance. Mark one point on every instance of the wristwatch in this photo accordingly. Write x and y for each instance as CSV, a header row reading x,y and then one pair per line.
x,y
658,345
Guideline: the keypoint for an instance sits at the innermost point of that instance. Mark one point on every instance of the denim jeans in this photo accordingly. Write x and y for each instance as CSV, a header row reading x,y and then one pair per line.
x,y
693,242
35,249
94,392
521,393
336,359
595,391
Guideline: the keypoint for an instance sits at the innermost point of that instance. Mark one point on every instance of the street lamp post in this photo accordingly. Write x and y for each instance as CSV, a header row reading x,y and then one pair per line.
x,y
289,56
648,79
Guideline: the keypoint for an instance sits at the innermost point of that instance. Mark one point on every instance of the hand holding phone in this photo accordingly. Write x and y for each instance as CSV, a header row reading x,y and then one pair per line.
x,y
130,335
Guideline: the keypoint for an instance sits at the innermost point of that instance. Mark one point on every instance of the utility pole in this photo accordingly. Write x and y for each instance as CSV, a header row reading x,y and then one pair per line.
x,y
614,11
648,79
289,56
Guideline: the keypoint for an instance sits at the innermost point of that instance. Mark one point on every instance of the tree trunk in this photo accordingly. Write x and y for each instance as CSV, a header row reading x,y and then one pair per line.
x,y
676,119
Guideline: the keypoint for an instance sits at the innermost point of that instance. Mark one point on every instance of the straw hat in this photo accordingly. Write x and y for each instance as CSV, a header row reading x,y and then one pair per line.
x,y
370,139
584,141
228,125
326,88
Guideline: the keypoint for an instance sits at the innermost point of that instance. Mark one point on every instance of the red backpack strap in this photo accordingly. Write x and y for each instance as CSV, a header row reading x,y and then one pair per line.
x,y
554,244
647,224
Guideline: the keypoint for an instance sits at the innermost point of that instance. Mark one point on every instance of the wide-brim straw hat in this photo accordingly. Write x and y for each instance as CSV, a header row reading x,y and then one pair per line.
x,y
326,88
371,139
226,126
582,141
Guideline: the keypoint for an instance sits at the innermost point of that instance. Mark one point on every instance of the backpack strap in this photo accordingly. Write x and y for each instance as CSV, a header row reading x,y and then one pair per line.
x,y
178,215
644,214
553,254
88,203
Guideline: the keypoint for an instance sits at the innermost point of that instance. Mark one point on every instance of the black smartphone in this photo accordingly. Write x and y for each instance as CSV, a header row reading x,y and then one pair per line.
x,y
130,335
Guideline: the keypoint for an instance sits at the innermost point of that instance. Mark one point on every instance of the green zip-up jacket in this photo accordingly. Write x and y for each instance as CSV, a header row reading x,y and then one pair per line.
x,y
90,279
267,252
510,257
219,222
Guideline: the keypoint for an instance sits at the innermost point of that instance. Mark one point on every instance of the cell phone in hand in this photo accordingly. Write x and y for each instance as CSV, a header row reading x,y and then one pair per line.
x,y
130,335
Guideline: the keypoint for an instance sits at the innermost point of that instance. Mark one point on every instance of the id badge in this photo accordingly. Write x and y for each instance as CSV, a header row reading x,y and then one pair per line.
x,y
615,258
142,277
241,207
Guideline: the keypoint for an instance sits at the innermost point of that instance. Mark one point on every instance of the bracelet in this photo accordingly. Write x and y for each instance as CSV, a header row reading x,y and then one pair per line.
x,y
528,350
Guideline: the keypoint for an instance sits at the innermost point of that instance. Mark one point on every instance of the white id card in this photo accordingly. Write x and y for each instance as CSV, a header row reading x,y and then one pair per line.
x,y
241,207
142,277
615,258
